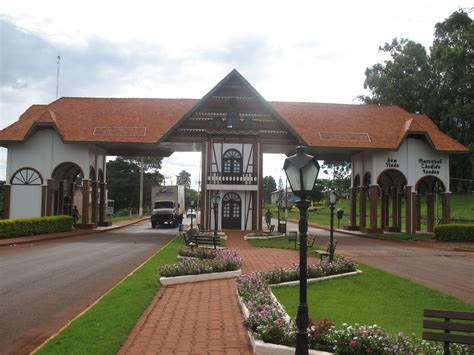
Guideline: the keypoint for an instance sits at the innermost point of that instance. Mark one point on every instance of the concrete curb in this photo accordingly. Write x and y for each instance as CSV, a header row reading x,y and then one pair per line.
x,y
44,237
166,281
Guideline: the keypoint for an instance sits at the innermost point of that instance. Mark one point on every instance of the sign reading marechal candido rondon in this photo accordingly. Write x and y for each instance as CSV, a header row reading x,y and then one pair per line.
x,y
57,153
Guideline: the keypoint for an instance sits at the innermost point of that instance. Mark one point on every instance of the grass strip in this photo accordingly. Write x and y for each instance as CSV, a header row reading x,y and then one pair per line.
x,y
375,297
106,326
279,243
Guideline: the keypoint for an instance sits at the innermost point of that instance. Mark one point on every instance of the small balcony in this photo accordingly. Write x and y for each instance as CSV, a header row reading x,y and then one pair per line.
x,y
232,179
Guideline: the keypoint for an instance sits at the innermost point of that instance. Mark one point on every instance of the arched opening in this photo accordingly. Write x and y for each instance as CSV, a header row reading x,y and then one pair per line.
x,y
232,163
231,211
26,185
429,189
356,181
392,184
92,173
367,179
67,188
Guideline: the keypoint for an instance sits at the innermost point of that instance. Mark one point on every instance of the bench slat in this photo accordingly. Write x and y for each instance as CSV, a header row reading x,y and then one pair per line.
x,y
443,325
448,314
452,338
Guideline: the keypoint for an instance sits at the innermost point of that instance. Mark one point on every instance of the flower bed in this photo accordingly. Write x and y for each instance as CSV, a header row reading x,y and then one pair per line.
x,y
268,321
199,253
223,260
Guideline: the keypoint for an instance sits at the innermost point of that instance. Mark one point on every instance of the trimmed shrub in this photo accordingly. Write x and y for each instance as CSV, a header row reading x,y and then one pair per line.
x,y
20,227
454,232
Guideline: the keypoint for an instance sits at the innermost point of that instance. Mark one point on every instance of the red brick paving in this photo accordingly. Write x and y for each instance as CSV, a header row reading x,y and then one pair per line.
x,y
203,317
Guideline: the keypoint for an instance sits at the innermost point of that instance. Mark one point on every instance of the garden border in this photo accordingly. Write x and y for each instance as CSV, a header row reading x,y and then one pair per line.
x,y
166,281
262,348
263,237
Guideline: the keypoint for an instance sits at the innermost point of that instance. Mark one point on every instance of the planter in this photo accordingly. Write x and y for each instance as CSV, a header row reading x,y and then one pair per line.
x,y
318,279
180,257
262,348
263,237
165,281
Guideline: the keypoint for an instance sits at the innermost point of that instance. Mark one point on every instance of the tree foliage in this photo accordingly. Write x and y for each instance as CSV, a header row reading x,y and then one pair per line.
x,y
340,176
184,178
439,84
123,181
269,185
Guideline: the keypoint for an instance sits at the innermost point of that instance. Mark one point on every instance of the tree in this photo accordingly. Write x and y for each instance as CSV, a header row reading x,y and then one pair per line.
x,y
403,79
269,185
439,84
123,182
184,178
340,171
191,195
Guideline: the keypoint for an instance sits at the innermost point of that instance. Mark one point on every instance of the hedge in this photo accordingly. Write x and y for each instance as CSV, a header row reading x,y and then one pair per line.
x,y
454,232
12,228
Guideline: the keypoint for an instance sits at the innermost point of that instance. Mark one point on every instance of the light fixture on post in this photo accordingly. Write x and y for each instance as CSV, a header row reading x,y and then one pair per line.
x,y
332,199
192,213
215,201
302,170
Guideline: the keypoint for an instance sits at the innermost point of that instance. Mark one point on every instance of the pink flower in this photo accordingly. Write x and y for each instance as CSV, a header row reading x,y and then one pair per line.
x,y
353,342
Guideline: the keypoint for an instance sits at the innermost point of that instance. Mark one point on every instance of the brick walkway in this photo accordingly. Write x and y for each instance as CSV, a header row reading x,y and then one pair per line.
x,y
203,317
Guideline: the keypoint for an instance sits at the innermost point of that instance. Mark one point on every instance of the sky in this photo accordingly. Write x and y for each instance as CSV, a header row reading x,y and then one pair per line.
x,y
289,51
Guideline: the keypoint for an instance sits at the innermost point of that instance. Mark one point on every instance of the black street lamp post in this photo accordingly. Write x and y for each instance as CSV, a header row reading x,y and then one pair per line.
x,y
302,170
215,200
192,214
332,197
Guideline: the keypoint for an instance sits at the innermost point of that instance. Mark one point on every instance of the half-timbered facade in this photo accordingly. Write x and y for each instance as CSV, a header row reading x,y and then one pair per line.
x,y
58,149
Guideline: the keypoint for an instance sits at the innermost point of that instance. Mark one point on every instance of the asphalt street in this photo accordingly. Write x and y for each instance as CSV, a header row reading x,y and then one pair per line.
x,y
44,285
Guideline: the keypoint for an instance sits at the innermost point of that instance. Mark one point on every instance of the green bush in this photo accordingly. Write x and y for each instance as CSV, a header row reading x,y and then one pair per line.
x,y
12,228
454,232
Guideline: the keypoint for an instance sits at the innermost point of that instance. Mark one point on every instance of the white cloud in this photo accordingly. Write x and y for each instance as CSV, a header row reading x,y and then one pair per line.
x,y
293,51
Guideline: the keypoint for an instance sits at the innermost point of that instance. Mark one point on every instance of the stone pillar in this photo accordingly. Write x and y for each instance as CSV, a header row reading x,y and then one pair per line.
x,y
415,205
61,197
418,212
408,214
103,205
85,206
430,212
399,212
362,207
352,210
383,209
94,204
394,208
373,195
6,201
446,196
49,197
72,186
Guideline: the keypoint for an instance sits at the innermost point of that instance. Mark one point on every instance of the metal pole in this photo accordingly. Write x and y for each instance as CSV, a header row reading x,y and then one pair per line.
x,y
57,76
140,208
331,235
302,314
215,223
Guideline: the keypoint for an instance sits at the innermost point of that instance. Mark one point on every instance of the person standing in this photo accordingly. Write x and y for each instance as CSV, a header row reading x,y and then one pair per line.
x,y
75,214
268,218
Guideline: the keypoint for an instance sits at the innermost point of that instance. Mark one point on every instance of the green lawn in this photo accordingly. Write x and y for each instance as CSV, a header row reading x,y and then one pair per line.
x,y
280,243
462,207
375,297
104,328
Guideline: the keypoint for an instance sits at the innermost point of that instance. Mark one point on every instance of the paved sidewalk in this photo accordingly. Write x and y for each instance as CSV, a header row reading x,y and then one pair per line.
x,y
203,317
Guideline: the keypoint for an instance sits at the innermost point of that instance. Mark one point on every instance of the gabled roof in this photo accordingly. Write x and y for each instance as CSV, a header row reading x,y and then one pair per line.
x,y
128,120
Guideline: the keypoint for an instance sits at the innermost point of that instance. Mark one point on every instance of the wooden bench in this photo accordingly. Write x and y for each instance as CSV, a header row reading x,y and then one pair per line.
x,y
325,253
271,230
311,238
450,322
194,238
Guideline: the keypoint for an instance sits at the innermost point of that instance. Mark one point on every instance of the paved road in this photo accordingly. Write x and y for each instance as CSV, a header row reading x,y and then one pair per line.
x,y
44,285
435,265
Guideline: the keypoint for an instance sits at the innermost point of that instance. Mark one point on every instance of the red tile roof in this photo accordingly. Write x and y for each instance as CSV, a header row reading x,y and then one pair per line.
x,y
149,120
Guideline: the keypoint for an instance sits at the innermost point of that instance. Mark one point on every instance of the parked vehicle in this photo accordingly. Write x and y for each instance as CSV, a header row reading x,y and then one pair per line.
x,y
168,204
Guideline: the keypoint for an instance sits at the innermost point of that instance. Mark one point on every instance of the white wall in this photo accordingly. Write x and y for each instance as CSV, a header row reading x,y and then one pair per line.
x,y
26,201
44,151
410,159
